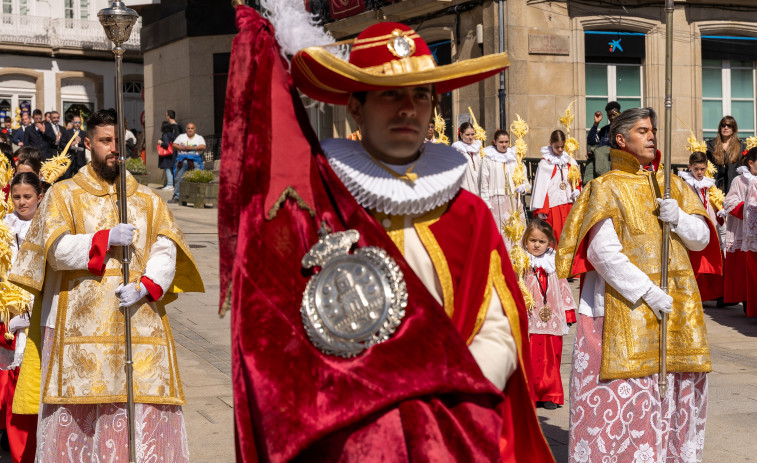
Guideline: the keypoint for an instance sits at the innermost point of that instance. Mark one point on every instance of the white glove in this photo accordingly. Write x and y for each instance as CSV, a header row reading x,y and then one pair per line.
x,y
575,194
129,295
658,300
520,189
19,322
121,235
668,210
722,213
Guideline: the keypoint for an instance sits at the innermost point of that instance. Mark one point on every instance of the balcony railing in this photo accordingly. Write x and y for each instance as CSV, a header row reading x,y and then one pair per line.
x,y
59,33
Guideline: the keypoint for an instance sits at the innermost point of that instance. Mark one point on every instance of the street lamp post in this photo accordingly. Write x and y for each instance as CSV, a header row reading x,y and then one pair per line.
x,y
118,21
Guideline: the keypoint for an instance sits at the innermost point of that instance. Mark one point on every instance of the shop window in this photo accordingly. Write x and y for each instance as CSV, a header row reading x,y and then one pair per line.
x,y
613,71
133,86
76,9
728,88
612,82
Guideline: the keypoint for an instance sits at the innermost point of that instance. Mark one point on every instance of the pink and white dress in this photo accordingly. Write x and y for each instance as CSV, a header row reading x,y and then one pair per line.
x,y
547,324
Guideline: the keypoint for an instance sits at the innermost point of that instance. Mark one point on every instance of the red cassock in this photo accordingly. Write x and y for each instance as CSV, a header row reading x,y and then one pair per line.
x,y
418,396
21,429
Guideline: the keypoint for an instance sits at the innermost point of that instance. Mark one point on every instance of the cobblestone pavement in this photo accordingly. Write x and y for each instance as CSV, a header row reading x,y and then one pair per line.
x,y
732,406
203,344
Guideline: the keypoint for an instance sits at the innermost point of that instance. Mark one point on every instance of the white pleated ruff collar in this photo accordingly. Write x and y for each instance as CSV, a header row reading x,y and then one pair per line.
x,y
744,170
706,182
464,148
545,261
548,155
440,171
492,153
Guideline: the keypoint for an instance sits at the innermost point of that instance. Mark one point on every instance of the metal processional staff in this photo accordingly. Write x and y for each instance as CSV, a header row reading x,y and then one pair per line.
x,y
118,22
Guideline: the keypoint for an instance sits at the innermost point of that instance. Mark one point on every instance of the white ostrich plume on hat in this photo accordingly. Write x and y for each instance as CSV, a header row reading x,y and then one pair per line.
x,y
296,28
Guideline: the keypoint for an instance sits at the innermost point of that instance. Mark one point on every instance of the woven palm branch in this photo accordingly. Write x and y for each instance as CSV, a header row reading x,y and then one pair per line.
x,y
54,167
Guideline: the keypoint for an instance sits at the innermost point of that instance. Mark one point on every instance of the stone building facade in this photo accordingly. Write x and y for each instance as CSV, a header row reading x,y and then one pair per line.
x,y
55,56
586,52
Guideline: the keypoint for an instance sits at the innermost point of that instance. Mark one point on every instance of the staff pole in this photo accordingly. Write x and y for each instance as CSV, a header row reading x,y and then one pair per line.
x,y
662,379
118,22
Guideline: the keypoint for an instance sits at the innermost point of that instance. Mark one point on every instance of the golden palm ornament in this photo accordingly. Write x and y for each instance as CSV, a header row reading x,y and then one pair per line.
x,y
440,127
13,300
54,167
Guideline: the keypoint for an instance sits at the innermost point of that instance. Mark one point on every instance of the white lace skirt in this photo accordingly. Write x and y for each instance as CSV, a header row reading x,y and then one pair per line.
x,y
623,420
99,432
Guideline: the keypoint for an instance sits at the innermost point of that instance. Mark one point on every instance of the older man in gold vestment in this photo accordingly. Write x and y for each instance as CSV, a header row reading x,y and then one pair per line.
x,y
613,238
70,261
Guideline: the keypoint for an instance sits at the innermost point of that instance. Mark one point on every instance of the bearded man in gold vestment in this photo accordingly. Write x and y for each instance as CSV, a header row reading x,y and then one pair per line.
x,y
70,261
613,238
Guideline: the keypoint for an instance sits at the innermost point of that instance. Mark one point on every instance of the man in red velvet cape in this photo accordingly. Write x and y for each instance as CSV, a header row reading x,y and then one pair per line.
x,y
427,393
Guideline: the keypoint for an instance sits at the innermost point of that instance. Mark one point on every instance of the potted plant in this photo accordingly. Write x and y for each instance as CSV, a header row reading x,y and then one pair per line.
x,y
196,188
137,169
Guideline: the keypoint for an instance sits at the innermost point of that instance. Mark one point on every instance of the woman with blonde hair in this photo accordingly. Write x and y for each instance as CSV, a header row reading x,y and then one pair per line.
x,y
725,152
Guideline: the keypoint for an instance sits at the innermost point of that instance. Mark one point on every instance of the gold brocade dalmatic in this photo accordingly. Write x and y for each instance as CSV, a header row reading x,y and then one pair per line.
x,y
87,359
630,341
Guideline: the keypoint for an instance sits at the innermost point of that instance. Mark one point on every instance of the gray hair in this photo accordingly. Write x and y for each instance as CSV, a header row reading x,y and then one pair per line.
x,y
623,123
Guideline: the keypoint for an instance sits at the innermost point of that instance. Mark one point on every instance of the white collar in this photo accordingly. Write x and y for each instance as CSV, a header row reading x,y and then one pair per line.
x,y
545,261
465,148
744,170
552,158
492,153
440,171
706,182
16,223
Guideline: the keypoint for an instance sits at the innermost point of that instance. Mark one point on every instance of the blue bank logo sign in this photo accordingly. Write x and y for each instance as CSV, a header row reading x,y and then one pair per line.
x,y
615,46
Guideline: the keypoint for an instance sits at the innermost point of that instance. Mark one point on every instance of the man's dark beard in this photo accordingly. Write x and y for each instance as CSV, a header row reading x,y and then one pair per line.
x,y
109,174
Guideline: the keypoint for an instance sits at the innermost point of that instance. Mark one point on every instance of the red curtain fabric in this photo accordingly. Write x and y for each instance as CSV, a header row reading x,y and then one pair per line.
x,y
418,396
345,8
467,234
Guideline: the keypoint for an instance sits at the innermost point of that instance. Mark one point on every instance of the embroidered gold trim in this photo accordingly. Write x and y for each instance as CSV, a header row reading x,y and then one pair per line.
x,y
395,230
508,303
289,192
403,65
389,43
422,226
484,309
148,340
311,77
411,33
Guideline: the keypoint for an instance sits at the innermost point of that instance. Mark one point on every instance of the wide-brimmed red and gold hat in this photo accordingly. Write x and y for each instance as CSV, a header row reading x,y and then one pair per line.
x,y
385,55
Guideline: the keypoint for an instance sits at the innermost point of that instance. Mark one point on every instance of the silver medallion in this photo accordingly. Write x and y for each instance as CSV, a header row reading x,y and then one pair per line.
x,y
356,300
401,44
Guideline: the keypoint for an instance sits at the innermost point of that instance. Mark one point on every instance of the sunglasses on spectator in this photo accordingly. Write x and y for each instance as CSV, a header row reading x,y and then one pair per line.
x,y
730,126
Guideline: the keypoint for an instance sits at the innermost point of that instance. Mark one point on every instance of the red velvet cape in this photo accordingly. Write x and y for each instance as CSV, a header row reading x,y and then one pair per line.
x,y
467,234
419,396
